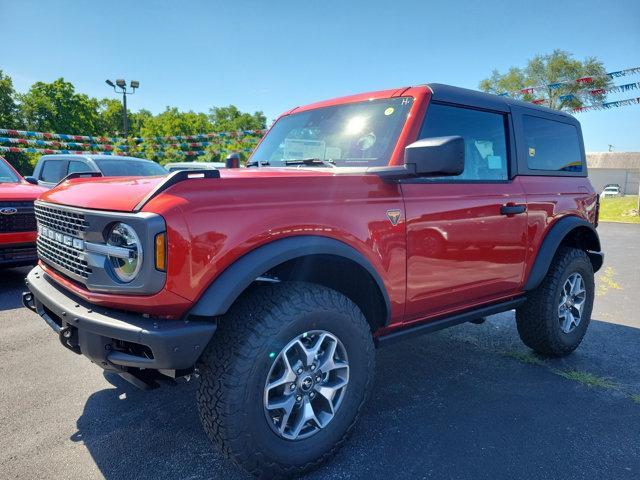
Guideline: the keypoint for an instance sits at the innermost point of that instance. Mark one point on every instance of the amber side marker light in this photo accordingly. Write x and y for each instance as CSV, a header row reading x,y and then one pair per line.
x,y
161,252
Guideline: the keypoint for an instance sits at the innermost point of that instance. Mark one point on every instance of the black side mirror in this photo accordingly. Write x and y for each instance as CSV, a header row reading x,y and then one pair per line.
x,y
436,156
232,160
31,180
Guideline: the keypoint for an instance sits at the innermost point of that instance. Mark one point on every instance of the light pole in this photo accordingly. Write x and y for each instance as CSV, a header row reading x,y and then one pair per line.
x,y
121,87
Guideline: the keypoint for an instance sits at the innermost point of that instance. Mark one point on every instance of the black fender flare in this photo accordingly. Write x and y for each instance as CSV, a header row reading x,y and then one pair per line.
x,y
551,242
227,287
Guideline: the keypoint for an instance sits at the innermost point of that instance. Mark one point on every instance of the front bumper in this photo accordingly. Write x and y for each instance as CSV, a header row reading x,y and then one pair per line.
x,y
114,339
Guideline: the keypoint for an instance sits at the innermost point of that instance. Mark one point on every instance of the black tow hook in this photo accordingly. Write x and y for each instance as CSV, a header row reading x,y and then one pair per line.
x,y
69,339
28,301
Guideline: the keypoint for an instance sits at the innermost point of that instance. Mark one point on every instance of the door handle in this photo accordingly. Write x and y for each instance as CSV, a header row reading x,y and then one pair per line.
x,y
512,209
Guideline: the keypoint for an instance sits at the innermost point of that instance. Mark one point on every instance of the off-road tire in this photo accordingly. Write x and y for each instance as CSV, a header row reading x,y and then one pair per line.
x,y
537,319
235,365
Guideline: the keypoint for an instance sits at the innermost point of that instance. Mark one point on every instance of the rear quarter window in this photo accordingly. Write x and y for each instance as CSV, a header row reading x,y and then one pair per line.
x,y
551,146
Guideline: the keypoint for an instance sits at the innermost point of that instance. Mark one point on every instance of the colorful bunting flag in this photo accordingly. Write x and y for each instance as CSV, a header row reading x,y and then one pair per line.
x,y
92,139
50,151
608,105
581,81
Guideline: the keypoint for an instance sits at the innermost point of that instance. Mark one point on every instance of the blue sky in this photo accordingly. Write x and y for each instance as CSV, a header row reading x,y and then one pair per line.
x,y
273,55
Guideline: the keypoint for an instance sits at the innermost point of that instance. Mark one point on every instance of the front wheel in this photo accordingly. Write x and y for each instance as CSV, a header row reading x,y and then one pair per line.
x,y
555,317
285,377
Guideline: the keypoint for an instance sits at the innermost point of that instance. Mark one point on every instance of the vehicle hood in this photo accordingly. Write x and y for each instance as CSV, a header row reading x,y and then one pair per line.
x,y
123,194
19,191
112,193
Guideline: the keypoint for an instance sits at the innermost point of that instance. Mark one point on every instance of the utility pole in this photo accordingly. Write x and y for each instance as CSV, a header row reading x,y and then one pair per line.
x,y
121,87
125,120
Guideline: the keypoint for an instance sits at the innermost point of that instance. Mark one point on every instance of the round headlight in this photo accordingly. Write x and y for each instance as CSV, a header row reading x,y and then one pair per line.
x,y
126,267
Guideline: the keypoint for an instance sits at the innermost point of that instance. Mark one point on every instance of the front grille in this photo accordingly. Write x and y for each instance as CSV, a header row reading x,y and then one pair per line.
x,y
23,220
63,256
58,255
63,221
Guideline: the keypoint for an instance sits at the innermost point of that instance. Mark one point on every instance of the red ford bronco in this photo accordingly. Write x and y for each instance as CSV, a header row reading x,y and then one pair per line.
x,y
17,221
358,221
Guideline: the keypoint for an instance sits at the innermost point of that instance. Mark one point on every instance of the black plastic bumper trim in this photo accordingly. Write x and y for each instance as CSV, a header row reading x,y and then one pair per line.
x,y
174,344
597,259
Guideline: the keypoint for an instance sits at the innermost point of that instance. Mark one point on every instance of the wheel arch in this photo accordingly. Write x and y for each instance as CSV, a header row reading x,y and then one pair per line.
x,y
311,258
569,231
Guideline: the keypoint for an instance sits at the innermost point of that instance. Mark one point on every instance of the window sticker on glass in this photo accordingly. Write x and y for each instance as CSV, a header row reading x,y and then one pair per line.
x,y
494,162
366,142
389,111
532,152
295,149
333,153
485,147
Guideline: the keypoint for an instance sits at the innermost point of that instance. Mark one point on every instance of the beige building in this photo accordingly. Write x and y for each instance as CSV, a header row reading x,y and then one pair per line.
x,y
619,168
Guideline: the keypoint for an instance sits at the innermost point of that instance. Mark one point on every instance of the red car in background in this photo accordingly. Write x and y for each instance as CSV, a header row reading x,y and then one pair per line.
x,y
17,220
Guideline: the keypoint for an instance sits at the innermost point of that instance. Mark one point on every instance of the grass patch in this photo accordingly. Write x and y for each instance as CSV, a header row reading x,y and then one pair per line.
x,y
585,378
620,209
605,282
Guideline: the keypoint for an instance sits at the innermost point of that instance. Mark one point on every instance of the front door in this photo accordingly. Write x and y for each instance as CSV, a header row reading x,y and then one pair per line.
x,y
466,235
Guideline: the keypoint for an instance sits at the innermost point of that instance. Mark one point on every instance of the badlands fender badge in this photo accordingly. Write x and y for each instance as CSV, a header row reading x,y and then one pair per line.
x,y
394,216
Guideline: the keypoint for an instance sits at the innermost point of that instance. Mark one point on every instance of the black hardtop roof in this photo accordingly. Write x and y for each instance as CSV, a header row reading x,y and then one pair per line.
x,y
474,98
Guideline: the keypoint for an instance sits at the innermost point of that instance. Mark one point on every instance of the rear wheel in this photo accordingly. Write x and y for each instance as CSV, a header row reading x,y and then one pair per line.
x,y
555,317
285,377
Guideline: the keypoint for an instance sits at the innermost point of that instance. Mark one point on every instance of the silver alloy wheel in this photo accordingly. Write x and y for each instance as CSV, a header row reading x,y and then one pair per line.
x,y
572,299
306,385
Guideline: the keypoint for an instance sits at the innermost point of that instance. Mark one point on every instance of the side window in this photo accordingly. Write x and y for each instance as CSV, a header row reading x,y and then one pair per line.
x,y
484,139
76,166
551,145
52,171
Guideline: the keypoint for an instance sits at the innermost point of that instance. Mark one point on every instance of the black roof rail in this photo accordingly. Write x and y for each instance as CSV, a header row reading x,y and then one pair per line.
x,y
80,175
172,179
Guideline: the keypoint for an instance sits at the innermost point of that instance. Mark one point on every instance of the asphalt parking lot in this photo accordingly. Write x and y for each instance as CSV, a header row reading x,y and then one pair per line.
x,y
467,403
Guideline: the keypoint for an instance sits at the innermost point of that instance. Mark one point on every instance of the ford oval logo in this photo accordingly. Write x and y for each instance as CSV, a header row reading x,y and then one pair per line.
x,y
8,211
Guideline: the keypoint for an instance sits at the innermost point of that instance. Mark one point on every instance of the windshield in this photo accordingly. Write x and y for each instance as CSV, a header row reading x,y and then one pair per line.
x,y
6,174
358,134
129,168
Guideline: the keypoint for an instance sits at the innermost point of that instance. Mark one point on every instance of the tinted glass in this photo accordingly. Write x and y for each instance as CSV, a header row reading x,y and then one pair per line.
x,y
6,174
356,134
129,168
76,166
551,145
484,139
52,171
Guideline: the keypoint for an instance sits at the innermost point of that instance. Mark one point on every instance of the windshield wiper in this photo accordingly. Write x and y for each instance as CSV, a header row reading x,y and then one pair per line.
x,y
256,163
311,161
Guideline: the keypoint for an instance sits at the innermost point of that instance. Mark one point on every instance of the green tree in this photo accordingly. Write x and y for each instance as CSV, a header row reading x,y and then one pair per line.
x,y
137,120
10,118
174,122
56,107
230,119
110,113
556,67
9,111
